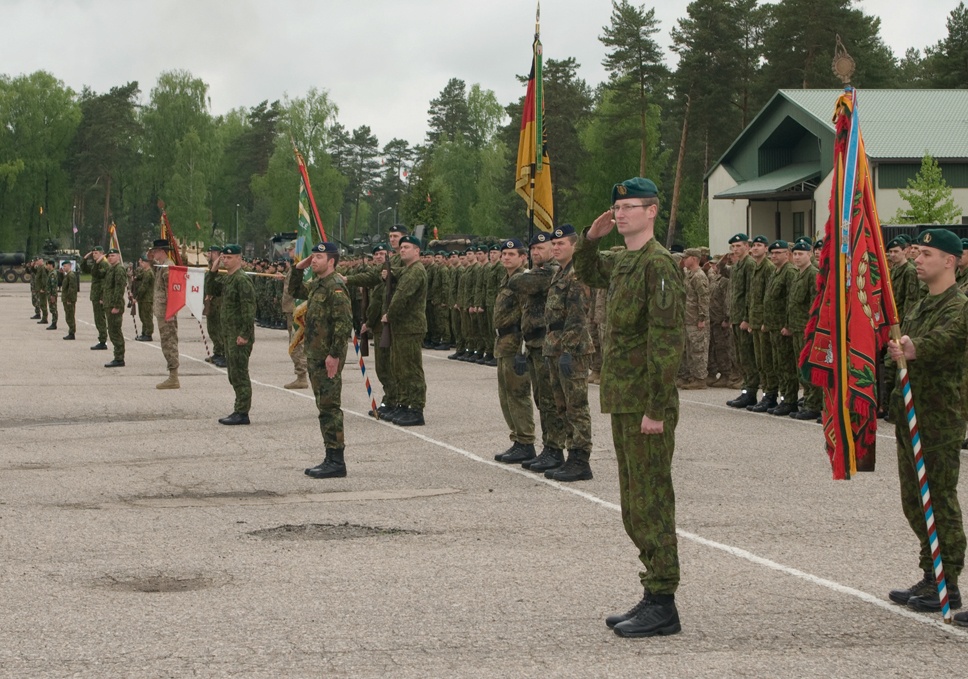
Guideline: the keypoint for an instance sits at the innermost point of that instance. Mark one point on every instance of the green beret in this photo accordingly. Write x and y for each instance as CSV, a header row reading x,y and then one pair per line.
x,y
802,246
144,258
895,243
113,251
941,239
760,239
779,245
636,187
214,248
563,231
496,247
739,238
381,247
818,244
409,239
805,239
232,249
455,253
964,243
905,239
399,228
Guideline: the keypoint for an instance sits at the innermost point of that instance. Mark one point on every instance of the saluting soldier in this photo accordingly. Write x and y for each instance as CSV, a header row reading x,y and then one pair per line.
x,y
213,307
775,320
373,325
99,269
645,336
167,330
112,296
803,291
69,290
143,294
328,327
238,330
288,306
53,285
739,284
762,348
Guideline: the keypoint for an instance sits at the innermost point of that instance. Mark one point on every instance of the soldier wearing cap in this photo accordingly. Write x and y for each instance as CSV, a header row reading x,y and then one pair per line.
x,y
775,323
238,331
513,382
904,276
803,291
961,278
142,294
167,330
465,286
762,348
328,327
99,270
643,348
112,297
721,364
69,290
373,326
35,267
53,284
213,306
739,283
531,287
934,335
696,283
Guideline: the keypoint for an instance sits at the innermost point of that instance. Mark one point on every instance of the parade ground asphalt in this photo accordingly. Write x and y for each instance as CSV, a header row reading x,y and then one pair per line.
x,y
140,538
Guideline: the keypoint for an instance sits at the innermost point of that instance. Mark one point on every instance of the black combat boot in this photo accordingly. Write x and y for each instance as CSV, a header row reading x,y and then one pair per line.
x,y
805,415
924,587
768,401
42,321
613,620
331,467
575,468
656,616
116,363
391,412
69,336
961,619
219,362
745,398
489,360
932,602
235,418
550,458
785,409
100,346
409,417
52,326
35,317
457,355
519,452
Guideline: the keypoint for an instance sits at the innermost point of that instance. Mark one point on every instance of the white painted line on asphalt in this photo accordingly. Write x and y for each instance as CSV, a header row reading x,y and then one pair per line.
x,y
738,552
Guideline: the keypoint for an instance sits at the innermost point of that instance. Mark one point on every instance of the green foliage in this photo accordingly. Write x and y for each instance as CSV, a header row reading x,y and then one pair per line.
x,y
929,198
948,59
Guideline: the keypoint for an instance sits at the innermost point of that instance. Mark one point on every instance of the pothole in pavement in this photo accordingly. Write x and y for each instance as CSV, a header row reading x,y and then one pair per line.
x,y
160,583
325,531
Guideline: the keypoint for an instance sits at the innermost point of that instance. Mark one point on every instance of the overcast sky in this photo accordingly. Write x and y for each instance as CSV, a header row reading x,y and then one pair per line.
x,y
381,61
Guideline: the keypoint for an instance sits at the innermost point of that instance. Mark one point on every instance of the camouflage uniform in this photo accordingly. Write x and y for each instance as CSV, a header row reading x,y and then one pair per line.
x,y
143,293
52,287
532,289
721,361
739,283
775,319
69,289
596,326
98,271
906,287
407,317
374,324
938,327
762,349
288,306
803,290
329,325
39,282
514,391
168,330
238,320
697,339
113,295
495,278
643,347
213,311
464,298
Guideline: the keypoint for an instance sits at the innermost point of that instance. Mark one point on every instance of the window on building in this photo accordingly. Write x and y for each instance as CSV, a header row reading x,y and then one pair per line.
x,y
798,222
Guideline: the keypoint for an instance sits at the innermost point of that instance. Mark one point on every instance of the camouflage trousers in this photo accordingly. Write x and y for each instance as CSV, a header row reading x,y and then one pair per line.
x,y
456,336
552,428
169,340
406,364
812,394
41,305
514,393
115,334
697,352
328,393
442,324
721,360
237,359
70,312
33,301
466,330
381,362
571,402
146,314
213,323
785,366
647,496
479,330
746,358
595,364
942,463
763,353
100,321
298,355
52,303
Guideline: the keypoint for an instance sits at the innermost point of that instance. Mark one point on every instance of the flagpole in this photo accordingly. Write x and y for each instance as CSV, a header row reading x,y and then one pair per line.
x,y
366,380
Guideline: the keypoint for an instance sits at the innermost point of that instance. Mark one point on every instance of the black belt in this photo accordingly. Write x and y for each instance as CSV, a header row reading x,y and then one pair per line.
x,y
557,325
501,332
535,334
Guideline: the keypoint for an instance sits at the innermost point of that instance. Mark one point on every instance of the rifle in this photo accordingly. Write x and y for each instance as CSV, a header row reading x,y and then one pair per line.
x,y
386,336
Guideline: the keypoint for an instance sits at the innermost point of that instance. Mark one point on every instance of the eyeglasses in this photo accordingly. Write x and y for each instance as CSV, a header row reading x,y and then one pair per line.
x,y
625,208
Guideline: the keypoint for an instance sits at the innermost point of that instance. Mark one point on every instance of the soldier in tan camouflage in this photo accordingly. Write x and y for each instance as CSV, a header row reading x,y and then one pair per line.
x,y
168,330
298,355
721,365
697,321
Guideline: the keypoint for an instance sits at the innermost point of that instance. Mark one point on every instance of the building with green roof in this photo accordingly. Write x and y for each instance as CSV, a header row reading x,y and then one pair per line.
x,y
775,179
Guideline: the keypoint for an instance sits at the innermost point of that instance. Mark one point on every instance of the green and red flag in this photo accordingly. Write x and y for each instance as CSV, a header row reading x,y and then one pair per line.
x,y
309,230
174,255
533,180
854,309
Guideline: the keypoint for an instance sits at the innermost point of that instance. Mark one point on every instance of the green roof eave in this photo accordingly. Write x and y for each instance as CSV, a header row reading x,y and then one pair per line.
x,y
773,183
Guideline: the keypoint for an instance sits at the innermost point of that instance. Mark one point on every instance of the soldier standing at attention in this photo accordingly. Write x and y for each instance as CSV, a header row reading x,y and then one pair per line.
x,y
213,307
69,298
697,320
288,304
803,290
329,325
143,294
167,330
645,335
739,283
532,289
112,296
374,327
775,322
238,331
513,383
762,349
407,317
33,269
934,334
721,365
53,285
904,277
98,271
40,281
